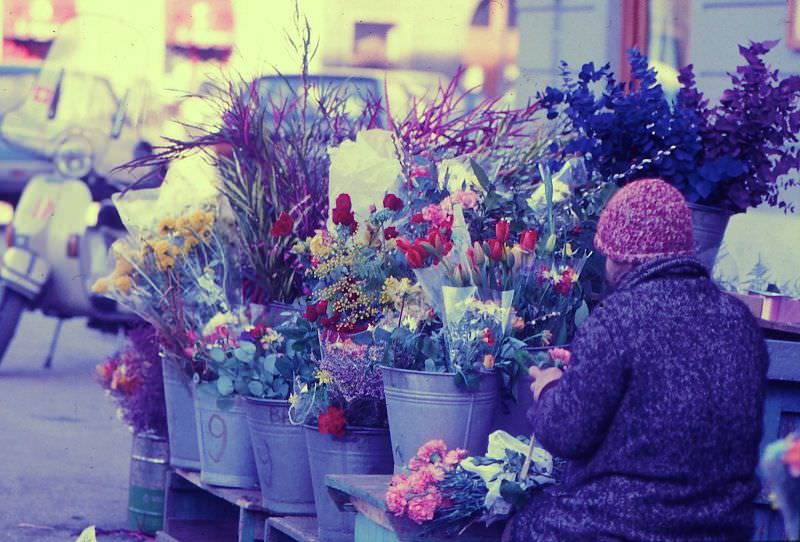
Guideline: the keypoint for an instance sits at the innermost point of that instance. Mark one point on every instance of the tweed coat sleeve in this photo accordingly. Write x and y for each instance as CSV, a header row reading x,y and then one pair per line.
x,y
572,415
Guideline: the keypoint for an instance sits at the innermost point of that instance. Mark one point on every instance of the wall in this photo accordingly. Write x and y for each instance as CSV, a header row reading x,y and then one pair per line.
x,y
576,31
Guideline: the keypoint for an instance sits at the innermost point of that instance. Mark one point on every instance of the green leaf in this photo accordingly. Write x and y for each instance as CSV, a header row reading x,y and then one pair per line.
x,y
480,174
224,385
255,388
217,355
581,314
243,354
269,363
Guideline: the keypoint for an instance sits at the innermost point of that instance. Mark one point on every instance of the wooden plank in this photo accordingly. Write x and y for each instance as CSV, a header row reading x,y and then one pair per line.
x,y
292,529
784,360
249,499
369,488
195,530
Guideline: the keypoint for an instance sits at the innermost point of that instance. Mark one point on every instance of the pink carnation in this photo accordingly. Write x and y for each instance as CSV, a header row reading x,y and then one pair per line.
x,y
436,215
431,448
422,509
467,198
560,354
454,457
396,501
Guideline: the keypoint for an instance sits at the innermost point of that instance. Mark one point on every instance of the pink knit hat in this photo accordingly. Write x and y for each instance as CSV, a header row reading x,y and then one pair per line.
x,y
645,219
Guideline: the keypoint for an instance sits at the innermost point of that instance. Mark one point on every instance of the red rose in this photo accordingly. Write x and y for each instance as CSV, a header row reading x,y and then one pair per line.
x,y
416,257
344,203
501,231
311,313
564,285
332,421
495,250
283,226
392,202
390,233
488,337
528,240
342,213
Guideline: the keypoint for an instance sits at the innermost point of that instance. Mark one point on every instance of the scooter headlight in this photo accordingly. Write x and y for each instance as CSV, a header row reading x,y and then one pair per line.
x,y
75,157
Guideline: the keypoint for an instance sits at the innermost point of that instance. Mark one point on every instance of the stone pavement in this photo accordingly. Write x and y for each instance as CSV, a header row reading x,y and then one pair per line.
x,y
64,455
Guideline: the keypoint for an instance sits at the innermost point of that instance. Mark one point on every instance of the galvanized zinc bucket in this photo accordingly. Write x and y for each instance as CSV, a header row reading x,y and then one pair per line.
x,y
424,406
149,463
708,225
181,425
281,458
226,452
360,451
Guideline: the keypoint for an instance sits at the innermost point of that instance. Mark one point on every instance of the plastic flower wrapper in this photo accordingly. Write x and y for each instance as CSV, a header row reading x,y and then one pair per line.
x,y
191,182
475,325
780,471
369,163
500,470
457,174
560,186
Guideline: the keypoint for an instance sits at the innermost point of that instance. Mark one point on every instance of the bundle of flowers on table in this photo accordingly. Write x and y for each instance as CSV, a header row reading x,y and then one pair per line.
x,y
447,491
132,377
780,471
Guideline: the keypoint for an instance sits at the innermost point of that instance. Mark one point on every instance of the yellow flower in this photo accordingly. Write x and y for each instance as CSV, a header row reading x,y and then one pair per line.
x,y
101,286
298,248
323,376
164,253
294,400
123,283
166,225
122,267
319,246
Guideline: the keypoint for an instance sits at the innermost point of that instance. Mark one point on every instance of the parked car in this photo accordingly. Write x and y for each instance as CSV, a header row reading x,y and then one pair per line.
x,y
401,87
17,164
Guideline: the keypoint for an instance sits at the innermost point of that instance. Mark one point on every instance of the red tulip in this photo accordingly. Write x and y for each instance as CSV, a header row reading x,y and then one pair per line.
x,y
416,257
495,250
343,212
528,240
283,226
392,202
501,230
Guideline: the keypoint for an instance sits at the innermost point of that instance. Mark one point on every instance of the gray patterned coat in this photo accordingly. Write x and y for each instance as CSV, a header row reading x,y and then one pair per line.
x,y
660,416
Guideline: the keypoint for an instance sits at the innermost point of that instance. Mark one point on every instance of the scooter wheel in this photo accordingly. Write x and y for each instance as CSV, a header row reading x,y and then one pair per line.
x,y
11,306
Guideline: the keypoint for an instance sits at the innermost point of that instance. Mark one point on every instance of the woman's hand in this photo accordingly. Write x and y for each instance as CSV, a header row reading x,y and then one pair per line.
x,y
542,378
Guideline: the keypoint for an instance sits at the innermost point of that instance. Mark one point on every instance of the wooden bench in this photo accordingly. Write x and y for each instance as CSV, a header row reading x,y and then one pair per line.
x,y
198,512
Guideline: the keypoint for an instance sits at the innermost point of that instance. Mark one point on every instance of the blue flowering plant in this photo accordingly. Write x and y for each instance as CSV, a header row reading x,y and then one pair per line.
x,y
732,155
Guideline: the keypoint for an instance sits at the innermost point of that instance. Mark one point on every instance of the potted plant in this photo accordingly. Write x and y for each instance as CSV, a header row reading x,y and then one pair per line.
x,y
724,157
132,377
283,361
343,414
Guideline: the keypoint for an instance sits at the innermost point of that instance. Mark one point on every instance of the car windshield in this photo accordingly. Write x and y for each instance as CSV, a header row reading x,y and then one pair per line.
x,y
14,88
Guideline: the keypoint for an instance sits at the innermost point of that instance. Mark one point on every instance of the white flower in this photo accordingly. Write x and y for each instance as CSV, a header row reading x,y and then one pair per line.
x,y
561,190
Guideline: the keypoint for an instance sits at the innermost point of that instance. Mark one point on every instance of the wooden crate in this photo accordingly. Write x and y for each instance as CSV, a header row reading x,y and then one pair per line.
x,y
198,512
291,529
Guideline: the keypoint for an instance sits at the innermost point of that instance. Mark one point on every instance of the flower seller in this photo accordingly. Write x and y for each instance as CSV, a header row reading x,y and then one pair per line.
x,y
660,410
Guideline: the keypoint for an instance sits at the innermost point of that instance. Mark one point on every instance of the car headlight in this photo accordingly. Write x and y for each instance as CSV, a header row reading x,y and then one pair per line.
x,y
75,157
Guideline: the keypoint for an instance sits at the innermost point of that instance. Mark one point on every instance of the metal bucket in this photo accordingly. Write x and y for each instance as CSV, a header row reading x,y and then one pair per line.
x,y
708,225
149,460
226,452
360,451
513,417
283,472
181,425
424,406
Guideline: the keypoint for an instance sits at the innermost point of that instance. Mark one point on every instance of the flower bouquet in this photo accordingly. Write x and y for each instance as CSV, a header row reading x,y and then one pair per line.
x,y
446,492
780,472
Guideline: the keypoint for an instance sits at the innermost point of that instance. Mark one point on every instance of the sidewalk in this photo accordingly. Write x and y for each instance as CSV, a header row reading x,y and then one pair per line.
x,y
65,455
